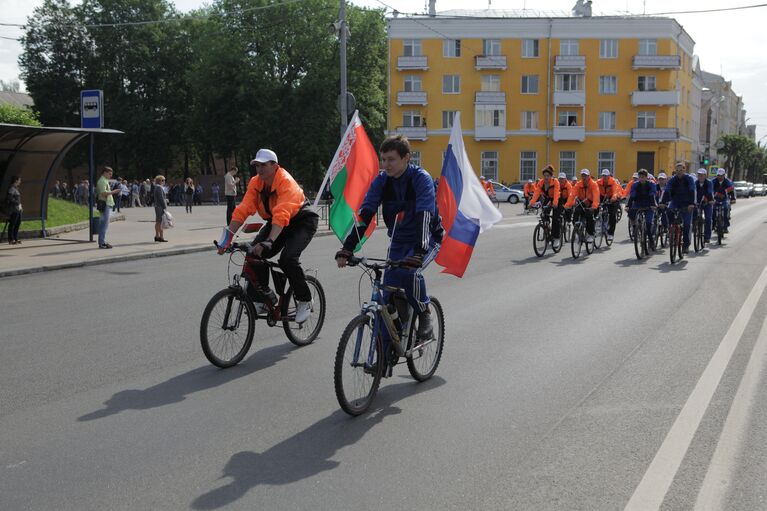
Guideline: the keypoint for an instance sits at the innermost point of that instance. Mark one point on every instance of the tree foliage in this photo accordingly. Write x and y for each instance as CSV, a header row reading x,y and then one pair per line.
x,y
744,158
10,114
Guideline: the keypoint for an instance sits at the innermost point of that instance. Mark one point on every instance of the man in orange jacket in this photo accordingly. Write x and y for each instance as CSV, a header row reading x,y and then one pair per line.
x,y
586,192
611,192
529,190
547,191
565,188
488,186
290,226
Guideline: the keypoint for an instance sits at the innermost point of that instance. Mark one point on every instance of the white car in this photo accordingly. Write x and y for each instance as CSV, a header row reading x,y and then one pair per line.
x,y
505,194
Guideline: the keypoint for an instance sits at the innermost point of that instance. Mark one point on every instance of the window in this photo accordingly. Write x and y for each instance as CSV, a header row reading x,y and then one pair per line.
x,y
648,46
447,118
646,83
491,83
451,48
530,48
606,160
413,83
529,120
489,116
412,119
489,164
415,158
606,120
608,49
412,47
527,165
645,119
568,47
567,118
451,84
567,163
530,84
492,46
568,82
608,85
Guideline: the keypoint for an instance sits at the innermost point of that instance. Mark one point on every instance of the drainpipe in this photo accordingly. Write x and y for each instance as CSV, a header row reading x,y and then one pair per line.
x,y
549,99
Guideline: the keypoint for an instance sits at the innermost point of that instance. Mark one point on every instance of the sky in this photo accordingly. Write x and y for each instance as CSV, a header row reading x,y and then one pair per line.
x,y
728,43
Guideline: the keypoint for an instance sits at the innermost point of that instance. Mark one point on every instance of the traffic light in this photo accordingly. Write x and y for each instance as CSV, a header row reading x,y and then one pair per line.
x,y
705,161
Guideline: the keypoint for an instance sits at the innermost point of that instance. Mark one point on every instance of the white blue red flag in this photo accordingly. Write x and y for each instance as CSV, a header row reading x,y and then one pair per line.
x,y
463,203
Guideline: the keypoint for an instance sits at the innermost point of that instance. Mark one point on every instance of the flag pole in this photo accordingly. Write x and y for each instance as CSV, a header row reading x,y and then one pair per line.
x,y
346,134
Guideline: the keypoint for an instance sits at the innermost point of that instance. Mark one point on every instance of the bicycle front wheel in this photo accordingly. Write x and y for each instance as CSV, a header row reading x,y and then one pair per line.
x,y
698,235
673,233
576,243
302,334
425,356
358,366
599,233
226,328
719,228
539,240
638,247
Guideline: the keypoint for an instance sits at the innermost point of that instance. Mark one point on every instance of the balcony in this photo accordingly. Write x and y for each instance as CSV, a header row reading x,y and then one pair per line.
x,y
570,63
411,98
489,133
570,98
569,133
490,62
412,132
412,62
655,97
657,62
654,134
490,98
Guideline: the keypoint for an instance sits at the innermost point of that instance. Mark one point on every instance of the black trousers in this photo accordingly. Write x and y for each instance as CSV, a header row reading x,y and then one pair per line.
x,y
292,241
612,212
14,222
588,214
229,208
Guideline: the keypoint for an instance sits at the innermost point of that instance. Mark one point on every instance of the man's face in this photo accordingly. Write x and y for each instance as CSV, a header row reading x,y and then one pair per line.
x,y
546,177
562,180
720,178
701,177
266,170
584,177
108,174
680,170
393,164
662,181
642,178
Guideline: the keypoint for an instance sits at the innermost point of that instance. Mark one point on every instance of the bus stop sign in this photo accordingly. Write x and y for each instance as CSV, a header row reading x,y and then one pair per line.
x,y
91,109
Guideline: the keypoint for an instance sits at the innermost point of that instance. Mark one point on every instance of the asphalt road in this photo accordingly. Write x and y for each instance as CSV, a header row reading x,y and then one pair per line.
x,y
560,388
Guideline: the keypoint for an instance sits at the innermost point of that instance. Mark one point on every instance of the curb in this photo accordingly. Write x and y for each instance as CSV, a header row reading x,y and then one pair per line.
x,y
54,231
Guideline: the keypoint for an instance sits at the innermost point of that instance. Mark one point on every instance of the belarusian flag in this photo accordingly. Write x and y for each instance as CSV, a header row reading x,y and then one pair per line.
x,y
353,168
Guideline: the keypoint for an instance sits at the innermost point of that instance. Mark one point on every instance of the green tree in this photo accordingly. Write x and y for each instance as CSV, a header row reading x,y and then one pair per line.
x,y
10,114
739,152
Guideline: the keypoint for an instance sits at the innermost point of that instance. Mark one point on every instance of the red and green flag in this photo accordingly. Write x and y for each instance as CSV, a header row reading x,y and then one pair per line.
x,y
353,168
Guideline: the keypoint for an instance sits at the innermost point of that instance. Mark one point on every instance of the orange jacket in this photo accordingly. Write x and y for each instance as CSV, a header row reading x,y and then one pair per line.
x,y
585,191
565,190
627,191
610,188
552,192
488,187
529,189
285,199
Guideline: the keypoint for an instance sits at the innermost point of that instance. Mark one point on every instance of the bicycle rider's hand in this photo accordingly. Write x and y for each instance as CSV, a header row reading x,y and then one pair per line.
x,y
226,241
413,261
261,247
662,206
691,208
342,257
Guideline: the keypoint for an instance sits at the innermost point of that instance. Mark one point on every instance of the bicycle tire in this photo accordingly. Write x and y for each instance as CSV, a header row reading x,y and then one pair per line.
x,y
672,243
567,231
556,243
238,349
618,213
638,249
632,229
292,329
576,240
438,321
646,238
698,235
540,240
345,366
719,228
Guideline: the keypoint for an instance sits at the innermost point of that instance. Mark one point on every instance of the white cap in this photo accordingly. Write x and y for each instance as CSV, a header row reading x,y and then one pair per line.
x,y
529,180
482,178
265,155
562,175
635,175
605,172
585,172
702,171
721,172
662,175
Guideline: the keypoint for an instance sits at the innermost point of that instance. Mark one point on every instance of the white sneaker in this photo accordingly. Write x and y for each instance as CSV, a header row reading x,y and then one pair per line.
x,y
302,311
589,239
609,237
261,308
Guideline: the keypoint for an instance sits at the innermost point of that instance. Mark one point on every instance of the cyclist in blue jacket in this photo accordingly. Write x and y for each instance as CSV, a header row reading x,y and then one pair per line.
x,y
704,190
680,195
723,191
643,195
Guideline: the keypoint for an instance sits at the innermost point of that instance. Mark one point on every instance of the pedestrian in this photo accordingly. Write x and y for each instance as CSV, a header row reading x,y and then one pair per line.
x,y
142,193
150,195
230,190
57,190
125,194
105,197
135,200
198,194
13,209
116,199
159,207
64,191
188,194
215,189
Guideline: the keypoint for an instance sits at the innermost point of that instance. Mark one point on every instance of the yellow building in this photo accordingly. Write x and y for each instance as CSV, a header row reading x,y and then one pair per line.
x,y
601,92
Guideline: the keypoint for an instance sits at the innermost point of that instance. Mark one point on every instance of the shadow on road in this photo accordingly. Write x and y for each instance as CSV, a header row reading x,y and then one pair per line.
x,y
308,452
533,259
177,388
569,261
667,267
631,261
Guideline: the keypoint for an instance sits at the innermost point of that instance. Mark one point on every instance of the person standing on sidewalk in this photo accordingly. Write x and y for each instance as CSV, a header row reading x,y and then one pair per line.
x,y
215,189
105,194
188,194
160,205
14,209
230,190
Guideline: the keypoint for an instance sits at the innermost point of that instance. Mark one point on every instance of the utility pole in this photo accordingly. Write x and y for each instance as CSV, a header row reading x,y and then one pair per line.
x,y
342,33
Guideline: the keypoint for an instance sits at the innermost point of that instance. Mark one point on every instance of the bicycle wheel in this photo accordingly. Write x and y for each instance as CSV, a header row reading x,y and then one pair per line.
x,y
425,358
638,248
304,333
567,231
606,231
672,242
618,213
576,242
540,240
227,326
698,234
646,238
599,233
632,229
719,228
358,366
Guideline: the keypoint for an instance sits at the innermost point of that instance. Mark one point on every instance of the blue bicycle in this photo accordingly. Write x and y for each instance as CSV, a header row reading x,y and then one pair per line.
x,y
364,357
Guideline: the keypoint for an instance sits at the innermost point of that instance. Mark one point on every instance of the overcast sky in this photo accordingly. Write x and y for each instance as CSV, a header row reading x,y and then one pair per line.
x,y
729,43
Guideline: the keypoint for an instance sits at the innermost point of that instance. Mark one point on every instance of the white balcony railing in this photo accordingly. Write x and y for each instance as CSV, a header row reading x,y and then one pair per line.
x,y
489,133
490,98
655,97
567,62
490,62
413,62
569,133
411,98
654,134
575,97
657,62
413,132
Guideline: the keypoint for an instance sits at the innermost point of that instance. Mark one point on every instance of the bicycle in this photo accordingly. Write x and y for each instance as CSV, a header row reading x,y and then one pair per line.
x,y
675,236
228,321
579,237
661,231
542,234
361,361
698,230
719,221
494,200
643,241
604,223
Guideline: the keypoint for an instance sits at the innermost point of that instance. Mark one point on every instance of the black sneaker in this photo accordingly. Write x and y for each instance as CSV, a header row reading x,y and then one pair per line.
x,y
425,331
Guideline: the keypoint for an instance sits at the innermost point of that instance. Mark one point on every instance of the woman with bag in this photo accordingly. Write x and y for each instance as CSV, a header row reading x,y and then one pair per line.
x,y
160,206
13,205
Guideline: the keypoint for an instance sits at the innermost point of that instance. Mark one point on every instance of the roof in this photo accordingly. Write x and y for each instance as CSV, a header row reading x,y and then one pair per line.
x,y
18,99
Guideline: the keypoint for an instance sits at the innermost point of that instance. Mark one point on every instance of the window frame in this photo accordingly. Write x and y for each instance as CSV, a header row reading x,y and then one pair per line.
x,y
492,45
524,158
608,44
604,79
453,80
648,47
569,44
643,81
563,161
536,48
525,80
413,44
612,117
451,48
485,158
413,114
606,163
529,115
449,116
645,116
483,84
412,79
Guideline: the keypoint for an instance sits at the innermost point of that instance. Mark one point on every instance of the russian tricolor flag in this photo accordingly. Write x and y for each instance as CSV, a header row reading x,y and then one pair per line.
x,y
463,204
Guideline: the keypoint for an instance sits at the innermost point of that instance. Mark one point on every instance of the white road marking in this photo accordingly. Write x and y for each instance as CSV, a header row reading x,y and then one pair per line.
x,y
654,485
16,465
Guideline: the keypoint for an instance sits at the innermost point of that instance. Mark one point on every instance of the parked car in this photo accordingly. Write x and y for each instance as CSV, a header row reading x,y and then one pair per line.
x,y
741,189
760,189
506,194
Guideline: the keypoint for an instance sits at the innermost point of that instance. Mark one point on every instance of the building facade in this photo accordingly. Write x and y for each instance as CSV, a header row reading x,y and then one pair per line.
x,y
599,92
722,113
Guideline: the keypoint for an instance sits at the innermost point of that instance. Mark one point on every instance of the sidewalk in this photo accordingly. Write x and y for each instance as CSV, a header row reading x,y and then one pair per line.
x,y
131,238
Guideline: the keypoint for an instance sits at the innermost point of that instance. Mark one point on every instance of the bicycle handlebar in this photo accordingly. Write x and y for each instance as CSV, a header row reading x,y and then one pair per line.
x,y
375,263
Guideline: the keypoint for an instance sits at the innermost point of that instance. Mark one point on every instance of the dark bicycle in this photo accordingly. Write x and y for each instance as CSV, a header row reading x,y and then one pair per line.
x,y
542,234
698,229
675,235
661,231
579,237
362,360
643,240
603,227
228,321
720,222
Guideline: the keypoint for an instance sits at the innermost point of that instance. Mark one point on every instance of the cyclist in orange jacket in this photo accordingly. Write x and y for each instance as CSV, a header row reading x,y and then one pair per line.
x,y
488,186
627,191
547,191
529,190
586,192
611,192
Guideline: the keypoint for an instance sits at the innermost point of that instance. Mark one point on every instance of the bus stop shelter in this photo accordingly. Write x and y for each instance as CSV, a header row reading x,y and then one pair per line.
x,y
35,155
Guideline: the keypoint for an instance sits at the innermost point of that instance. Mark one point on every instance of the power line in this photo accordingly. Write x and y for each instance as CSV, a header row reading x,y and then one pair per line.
x,y
702,11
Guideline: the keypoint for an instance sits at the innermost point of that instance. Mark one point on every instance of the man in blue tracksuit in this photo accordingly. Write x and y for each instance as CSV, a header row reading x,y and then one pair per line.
x,y
680,191
406,194
723,190
643,195
704,192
